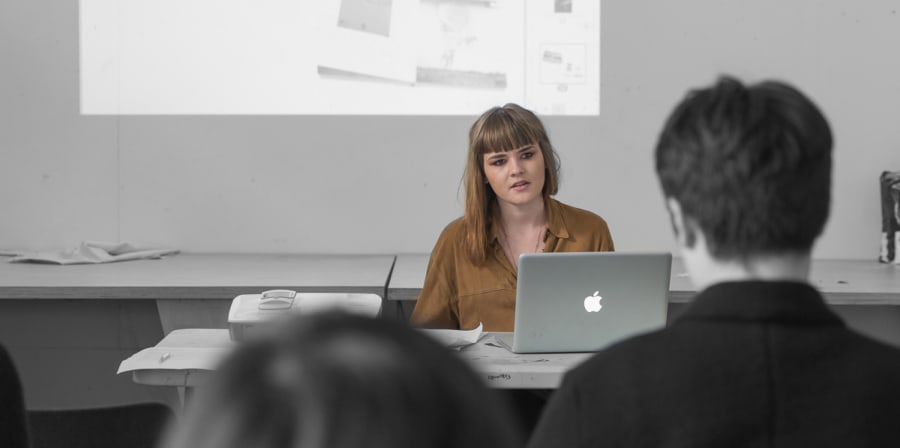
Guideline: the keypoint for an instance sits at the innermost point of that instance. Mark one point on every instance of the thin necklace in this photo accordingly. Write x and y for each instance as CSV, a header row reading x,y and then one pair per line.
x,y
505,239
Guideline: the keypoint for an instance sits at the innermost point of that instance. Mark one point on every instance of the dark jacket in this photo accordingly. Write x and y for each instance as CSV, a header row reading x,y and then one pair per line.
x,y
748,364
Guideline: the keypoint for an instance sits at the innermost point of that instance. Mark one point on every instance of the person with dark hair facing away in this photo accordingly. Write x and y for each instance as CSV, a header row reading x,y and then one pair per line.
x,y
13,423
343,381
757,359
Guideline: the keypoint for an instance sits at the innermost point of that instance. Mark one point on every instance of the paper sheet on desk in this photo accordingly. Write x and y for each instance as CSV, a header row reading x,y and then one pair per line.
x,y
91,252
456,339
174,358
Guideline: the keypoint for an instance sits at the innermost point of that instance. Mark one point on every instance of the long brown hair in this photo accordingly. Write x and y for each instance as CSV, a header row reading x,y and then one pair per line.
x,y
497,130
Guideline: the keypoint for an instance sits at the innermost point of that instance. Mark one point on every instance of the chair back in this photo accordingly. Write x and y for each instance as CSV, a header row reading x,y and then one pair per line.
x,y
13,429
128,426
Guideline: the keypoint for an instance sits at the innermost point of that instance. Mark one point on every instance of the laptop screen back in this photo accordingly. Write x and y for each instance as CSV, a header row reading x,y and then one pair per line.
x,y
583,301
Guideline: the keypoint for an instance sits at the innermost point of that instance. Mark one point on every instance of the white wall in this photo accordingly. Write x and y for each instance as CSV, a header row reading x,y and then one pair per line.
x,y
389,184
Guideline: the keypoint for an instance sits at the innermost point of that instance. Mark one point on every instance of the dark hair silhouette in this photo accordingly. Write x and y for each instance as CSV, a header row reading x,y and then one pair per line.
x,y
750,167
336,380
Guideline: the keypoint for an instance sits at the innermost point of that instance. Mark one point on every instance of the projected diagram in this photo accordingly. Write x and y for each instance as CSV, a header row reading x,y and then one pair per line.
x,y
456,43
466,44
407,57
563,64
368,16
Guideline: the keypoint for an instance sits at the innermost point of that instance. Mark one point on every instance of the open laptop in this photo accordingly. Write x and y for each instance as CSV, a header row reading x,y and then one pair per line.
x,y
583,301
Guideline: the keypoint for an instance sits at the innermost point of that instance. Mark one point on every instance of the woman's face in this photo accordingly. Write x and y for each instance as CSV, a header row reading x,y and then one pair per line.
x,y
517,175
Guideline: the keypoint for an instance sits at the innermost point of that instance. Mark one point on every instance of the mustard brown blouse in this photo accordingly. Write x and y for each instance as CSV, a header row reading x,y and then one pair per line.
x,y
458,294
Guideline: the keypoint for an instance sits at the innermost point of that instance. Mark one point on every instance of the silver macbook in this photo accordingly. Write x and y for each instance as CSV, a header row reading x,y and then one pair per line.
x,y
583,301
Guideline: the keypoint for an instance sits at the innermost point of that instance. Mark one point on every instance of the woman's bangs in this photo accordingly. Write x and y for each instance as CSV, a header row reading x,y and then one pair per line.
x,y
502,133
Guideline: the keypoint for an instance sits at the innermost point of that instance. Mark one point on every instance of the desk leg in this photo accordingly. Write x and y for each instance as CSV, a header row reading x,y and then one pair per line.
x,y
186,394
401,310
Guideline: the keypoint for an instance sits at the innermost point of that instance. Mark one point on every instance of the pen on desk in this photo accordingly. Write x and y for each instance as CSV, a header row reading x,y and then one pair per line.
x,y
164,357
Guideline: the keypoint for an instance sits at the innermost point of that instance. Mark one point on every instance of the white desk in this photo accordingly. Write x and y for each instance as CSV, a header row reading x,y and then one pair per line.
x,y
864,292
68,326
181,283
407,277
502,369
186,357
842,282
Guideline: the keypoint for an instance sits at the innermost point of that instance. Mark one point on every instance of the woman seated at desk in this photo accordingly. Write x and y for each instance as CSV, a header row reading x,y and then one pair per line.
x,y
511,173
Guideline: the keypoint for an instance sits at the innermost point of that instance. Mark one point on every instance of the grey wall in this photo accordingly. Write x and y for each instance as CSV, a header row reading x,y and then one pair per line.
x,y
389,184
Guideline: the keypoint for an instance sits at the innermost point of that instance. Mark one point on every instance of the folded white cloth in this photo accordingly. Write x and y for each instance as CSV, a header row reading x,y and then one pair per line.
x,y
90,252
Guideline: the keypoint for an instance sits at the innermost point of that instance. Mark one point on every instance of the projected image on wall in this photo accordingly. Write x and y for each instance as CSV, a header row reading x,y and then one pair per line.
x,y
369,16
563,64
463,43
456,43
396,57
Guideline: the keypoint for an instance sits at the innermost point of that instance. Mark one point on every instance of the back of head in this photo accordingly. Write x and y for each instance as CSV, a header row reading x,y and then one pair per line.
x,y
335,380
750,167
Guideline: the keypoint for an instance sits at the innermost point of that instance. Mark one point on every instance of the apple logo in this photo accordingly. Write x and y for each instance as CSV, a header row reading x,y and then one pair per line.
x,y
592,303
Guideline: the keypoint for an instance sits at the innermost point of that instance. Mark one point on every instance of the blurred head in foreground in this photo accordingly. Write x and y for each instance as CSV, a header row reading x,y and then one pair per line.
x,y
338,380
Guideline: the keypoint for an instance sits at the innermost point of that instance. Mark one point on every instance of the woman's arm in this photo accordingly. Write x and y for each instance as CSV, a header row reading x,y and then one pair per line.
x,y
436,306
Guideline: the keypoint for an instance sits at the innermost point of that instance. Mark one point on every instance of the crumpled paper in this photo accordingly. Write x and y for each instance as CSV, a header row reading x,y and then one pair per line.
x,y
92,252
455,339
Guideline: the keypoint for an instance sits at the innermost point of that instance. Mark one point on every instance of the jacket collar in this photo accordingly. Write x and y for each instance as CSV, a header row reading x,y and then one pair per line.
x,y
556,223
773,301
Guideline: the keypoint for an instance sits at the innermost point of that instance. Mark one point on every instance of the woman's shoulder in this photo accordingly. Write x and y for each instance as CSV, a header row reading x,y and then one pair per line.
x,y
452,236
579,216
587,227
454,229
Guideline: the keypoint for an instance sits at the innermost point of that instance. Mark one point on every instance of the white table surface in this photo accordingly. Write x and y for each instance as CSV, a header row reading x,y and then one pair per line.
x,y
842,282
186,358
